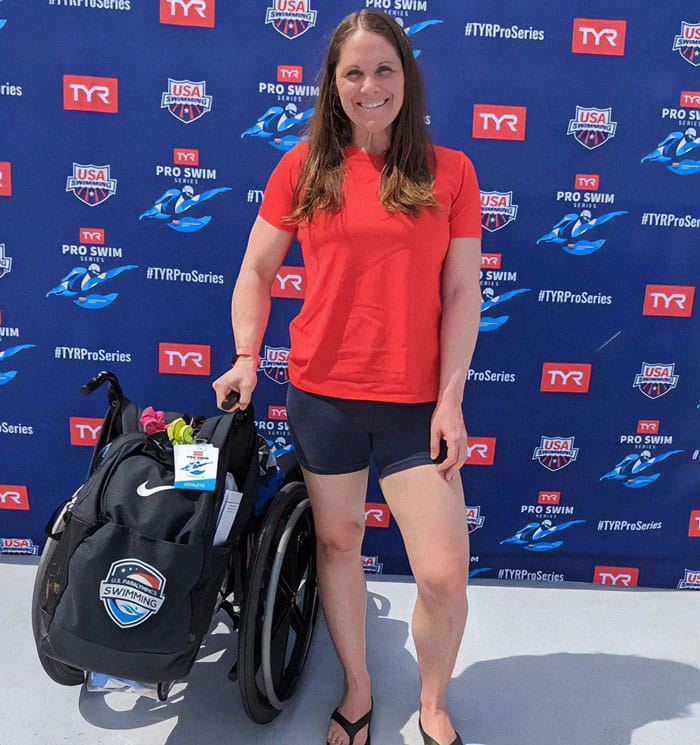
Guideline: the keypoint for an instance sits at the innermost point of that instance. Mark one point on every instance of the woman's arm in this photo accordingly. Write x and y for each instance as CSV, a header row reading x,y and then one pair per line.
x,y
461,311
250,306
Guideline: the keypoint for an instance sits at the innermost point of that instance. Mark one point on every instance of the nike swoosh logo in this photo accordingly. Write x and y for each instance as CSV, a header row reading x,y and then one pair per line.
x,y
144,491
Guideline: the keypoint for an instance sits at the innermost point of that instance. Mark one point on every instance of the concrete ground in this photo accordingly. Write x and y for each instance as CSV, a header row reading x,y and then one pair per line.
x,y
539,665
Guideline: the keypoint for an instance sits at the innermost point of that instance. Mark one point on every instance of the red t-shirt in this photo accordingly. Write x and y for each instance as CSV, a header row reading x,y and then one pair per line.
x,y
369,326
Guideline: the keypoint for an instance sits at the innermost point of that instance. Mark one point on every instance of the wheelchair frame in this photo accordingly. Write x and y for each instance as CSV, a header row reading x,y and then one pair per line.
x,y
270,591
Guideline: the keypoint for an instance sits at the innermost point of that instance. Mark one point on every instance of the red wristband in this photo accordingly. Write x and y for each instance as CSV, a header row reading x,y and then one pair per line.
x,y
245,352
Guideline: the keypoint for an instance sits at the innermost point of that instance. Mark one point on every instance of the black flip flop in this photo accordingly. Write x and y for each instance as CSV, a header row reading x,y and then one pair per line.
x,y
428,740
352,728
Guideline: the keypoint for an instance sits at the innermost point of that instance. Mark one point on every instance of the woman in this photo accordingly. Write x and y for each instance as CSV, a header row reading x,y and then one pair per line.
x,y
390,233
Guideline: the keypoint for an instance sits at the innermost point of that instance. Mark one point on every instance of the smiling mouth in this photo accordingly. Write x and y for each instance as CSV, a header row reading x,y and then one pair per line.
x,y
373,105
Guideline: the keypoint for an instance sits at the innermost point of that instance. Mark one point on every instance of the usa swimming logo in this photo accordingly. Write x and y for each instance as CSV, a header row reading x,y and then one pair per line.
x,y
592,127
372,565
475,519
274,364
656,379
497,210
91,184
185,100
132,592
291,18
687,43
691,580
555,453
18,546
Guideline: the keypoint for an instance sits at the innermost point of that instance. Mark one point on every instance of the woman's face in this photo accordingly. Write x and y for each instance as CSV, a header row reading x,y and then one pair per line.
x,y
370,82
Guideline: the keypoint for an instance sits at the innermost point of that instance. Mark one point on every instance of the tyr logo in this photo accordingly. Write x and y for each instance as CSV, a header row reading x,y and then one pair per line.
x,y
481,451
597,36
84,430
668,300
377,515
188,12
289,282
494,122
616,576
587,181
562,377
92,235
13,497
88,93
290,73
186,156
184,359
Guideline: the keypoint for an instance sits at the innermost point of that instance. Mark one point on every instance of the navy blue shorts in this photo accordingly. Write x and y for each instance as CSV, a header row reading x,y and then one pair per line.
x,y
338,435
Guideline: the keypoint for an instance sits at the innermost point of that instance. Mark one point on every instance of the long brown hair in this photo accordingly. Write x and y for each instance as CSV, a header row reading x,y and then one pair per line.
x,y
406,179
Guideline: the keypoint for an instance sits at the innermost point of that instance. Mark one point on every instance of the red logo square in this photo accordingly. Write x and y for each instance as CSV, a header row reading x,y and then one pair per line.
x,y
494,122
617,576
188,12
277,413
290,73
549,497
84,430
587,182
481,451
694,524
183,156
377,515
289,282
92,236
89,93
598,36
13,497
565,377
690,100
5,179
184,359
491,261
668,300
648,427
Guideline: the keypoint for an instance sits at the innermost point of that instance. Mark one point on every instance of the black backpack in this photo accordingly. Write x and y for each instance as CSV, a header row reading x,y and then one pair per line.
x,y
135,578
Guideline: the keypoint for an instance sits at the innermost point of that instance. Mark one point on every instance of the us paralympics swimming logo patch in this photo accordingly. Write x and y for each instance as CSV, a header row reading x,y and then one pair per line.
x,y
132,592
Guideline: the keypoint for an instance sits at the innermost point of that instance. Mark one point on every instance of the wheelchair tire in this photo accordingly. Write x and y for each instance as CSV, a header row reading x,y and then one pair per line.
x,y
57,671
281,606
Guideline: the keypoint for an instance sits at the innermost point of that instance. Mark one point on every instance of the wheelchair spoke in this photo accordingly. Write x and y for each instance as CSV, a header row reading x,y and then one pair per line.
x,y
298,622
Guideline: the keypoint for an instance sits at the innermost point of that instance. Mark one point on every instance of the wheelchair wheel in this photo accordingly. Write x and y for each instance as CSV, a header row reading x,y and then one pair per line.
x,y
57,671
280,607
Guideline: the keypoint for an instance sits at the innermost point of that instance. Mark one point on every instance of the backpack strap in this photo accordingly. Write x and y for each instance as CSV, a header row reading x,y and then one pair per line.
x,y
216,429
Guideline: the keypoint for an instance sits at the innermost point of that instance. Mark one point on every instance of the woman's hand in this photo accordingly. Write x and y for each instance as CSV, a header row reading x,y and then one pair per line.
x,y
241,378
447,424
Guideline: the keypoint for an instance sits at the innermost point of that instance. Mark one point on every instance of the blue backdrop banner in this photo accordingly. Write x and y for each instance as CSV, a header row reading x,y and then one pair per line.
x,y
137,138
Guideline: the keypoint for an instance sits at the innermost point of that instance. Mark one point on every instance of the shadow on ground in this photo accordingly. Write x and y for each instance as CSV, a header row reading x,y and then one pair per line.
x,y
552,699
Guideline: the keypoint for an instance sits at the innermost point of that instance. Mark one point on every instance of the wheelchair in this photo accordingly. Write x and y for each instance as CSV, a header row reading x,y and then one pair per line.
x,y
270,590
